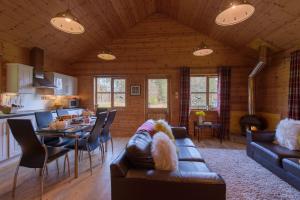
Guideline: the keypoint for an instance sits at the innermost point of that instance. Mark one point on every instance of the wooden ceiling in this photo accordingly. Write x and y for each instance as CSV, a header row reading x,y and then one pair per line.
x,y
277,22
26,23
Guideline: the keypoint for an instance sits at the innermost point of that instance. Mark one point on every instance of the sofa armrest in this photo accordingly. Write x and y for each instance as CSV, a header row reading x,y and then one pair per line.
x,y
180,132
260,136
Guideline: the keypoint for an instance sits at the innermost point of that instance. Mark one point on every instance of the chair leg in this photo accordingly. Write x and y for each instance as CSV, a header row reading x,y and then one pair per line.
x,y
68,162
42,181
57,166
105,146
102,152
15,180
112,145
90,157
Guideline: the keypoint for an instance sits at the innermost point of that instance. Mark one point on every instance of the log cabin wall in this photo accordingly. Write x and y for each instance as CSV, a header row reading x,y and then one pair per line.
x,y
159,45
272,89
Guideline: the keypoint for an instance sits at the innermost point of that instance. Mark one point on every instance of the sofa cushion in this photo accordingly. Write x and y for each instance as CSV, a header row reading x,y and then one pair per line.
x,y
184,142
189,154
138,150
273,152
292,165
190,166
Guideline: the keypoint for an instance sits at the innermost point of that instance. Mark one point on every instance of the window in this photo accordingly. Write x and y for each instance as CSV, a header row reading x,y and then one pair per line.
x,y
204,91
110,92
157,93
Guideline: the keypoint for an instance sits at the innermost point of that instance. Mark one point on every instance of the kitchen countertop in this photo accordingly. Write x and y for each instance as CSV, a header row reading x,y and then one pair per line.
x,y
27,113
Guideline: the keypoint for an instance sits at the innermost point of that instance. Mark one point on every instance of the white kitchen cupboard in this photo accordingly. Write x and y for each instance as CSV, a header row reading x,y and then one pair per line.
x,y
19,78
65,85
3,140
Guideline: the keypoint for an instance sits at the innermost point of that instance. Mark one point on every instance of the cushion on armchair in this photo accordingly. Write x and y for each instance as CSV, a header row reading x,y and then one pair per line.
x,y
288,134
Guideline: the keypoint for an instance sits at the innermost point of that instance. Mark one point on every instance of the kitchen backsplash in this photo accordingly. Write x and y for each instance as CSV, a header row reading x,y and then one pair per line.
x,y
27,102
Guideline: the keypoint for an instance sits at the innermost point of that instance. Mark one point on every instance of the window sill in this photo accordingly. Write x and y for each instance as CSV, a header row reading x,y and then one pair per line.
x,y
204,110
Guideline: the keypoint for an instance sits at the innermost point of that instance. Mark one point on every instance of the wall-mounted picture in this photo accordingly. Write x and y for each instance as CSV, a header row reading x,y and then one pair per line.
x,y
135,90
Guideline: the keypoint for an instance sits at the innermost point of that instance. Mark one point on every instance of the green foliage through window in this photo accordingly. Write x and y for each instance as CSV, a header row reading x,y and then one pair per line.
x,y
204,91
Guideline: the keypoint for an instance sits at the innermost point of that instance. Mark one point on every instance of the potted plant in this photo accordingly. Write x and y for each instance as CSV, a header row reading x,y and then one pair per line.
x,y
201,115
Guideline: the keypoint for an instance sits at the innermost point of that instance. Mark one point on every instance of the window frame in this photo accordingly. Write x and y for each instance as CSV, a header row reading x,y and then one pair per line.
x,y
112,92
207,92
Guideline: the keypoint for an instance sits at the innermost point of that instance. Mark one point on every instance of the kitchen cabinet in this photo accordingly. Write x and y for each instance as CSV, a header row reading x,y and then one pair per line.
x,y
65,85
3,140
19,78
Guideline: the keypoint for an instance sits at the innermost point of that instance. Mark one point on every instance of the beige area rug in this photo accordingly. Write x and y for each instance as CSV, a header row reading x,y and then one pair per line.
x,y
245,178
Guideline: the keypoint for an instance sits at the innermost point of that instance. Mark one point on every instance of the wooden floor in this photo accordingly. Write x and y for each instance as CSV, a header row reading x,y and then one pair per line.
x,y
62,187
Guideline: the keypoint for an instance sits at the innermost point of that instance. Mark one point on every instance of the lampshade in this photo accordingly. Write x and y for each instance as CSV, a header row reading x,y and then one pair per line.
x,y
237,11
202,50
106,55
67,22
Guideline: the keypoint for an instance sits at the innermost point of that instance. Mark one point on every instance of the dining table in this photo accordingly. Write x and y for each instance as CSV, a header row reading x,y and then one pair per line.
x,y
73,131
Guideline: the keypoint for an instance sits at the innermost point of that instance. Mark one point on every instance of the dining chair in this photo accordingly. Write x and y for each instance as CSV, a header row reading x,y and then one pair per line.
x,y
91,141
34,153
105,134
100,110
62,112
43,120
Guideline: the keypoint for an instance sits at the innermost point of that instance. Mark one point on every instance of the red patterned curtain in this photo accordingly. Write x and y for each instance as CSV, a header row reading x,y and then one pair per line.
x,y
184,96
224,75
294,87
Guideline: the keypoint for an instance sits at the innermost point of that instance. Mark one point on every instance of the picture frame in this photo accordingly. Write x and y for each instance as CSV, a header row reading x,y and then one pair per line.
x,y
135,90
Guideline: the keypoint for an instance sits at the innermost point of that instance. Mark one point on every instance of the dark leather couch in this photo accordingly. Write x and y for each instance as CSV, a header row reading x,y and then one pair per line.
x,y
280,160
192,180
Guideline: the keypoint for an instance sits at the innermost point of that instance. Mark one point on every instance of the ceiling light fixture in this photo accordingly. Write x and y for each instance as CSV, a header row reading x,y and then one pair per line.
x,y
67,22
106,55
237,11
202,50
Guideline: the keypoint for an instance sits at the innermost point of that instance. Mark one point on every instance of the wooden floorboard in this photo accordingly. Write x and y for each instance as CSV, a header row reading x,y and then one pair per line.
x,y
62,187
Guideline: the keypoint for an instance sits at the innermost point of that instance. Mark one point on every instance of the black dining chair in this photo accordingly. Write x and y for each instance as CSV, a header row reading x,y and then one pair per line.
x,y
105,134
34,153
43,120
62,112
91,141
100,110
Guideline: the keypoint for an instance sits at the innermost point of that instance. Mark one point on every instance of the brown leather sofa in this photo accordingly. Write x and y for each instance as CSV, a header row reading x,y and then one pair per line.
x,y
279,160
192,180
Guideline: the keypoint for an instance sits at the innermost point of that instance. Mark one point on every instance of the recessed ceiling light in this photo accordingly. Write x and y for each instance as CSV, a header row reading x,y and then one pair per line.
x,y
237,11
202,50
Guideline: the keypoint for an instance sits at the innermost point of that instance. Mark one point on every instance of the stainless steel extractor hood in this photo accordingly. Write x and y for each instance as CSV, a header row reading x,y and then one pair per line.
x,y
37,61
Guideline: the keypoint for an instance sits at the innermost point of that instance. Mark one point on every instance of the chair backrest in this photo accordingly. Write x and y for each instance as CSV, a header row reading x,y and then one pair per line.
x,y
100,121
43,119
100,110
62,112
33,152
106,129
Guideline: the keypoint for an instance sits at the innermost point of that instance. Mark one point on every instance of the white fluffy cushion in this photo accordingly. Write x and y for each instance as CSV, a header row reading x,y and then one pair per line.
x,y
164,152
288,134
